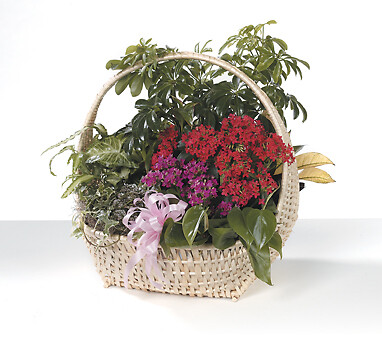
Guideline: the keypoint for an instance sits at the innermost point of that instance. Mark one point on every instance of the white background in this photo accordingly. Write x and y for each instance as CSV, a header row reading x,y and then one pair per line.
x,y
326,288
52,64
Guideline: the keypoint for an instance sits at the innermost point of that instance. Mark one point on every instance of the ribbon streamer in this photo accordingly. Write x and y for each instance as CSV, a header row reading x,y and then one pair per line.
x,y
150,221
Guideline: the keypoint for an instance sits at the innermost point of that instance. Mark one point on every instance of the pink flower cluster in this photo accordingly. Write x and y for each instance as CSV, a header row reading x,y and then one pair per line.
x,y
191,179
224,207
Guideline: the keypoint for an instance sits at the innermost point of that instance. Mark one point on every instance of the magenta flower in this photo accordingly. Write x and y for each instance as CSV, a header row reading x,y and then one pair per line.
x,y
190,179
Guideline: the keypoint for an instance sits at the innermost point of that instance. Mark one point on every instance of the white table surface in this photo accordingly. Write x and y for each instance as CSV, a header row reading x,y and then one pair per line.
x,y
327,287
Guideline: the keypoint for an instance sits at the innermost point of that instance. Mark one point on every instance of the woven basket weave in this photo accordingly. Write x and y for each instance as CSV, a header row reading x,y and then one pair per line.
x,y
203,270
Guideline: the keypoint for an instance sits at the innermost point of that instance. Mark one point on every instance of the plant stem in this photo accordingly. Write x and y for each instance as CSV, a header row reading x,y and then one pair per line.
x,y
269,197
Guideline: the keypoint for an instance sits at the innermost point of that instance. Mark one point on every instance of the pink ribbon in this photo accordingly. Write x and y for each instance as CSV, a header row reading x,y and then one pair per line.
x,y
150,221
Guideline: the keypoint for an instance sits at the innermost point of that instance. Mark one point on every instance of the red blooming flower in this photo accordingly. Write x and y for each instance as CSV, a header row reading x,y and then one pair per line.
x,y
241,151
168,142
202,142
246,148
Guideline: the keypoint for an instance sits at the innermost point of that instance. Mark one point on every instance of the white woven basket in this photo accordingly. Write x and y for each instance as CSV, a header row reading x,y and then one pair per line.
x,y
203,270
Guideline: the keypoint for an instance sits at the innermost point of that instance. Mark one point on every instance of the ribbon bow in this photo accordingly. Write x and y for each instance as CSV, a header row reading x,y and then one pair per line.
x,y
150,221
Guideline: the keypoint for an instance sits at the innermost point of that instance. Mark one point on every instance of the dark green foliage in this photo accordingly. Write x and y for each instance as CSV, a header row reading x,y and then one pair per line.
x,y
187,92
265,60
257,231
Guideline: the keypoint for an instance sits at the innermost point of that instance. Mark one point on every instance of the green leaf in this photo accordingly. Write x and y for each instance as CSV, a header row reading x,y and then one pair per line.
x,y
136,85
79,180
138,124
168,224
113,178
149,156
76,159
237,223
276,243
142,104
153,121
222,238
124,173
261,224
271,205
184,89
261,262
192,221
216,223
265,64
281,43
277,72
100,129
62,142
104,217
187,113
121,85
147,81
66,148
113,64
306,64
304,112
131,49
109,153
298,148
294,107
174,237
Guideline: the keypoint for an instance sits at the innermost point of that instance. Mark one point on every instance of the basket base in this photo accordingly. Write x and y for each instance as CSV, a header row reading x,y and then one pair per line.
x,y
201,271
233,295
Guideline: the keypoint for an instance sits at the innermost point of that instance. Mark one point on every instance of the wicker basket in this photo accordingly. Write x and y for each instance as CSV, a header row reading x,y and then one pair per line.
x,y
203,270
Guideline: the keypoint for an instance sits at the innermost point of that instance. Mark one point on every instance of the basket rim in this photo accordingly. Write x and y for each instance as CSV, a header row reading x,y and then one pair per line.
x,y
123,238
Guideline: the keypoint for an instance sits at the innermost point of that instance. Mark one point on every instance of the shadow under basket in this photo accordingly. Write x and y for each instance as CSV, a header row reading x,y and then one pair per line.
x,y
203,270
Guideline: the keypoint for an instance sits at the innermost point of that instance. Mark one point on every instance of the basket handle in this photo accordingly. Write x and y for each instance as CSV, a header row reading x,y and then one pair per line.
x,y
272,113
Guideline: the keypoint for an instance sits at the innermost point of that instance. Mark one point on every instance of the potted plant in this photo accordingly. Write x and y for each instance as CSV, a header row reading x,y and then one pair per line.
x,y
199,192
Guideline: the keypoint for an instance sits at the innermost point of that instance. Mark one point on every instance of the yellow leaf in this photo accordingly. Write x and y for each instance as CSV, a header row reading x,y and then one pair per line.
x,y
311,159
305,160
315,175
279,168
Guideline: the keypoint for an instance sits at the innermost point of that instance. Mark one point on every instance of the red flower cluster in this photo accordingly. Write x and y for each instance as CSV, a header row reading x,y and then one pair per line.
x,y
168,142
246,151
242,152
201,142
